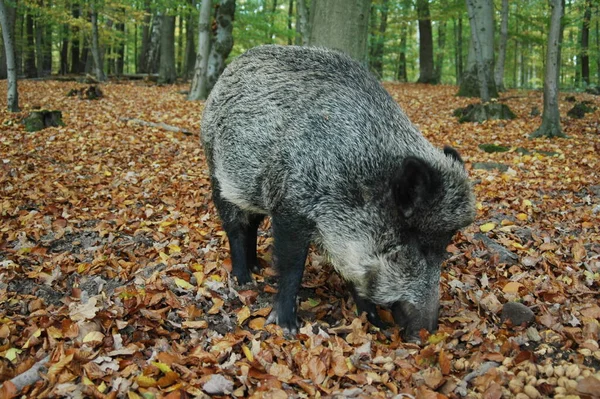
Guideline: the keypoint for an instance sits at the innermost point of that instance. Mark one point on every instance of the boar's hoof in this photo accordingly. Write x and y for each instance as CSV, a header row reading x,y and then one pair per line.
x,y
289,325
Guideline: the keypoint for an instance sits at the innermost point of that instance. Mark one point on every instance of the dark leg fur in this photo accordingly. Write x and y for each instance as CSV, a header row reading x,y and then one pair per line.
x,y
241,228
292,238
364,305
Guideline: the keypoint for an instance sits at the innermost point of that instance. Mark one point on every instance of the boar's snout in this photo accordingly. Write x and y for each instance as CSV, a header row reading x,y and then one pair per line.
x,y
412,318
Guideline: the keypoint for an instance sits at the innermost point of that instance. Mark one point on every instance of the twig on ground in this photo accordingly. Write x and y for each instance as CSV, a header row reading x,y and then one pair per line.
x,y
161,125
30,376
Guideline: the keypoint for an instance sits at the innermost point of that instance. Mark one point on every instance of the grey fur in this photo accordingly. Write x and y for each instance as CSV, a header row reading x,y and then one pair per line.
x,y
308,131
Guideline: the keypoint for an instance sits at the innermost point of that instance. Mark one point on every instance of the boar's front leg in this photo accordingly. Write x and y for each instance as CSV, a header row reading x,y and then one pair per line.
x,y
291,241
241,227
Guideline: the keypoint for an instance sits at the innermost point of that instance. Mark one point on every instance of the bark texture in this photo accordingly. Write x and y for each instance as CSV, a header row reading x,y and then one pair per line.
x,y
341,25
585,43
378,46
303,22
167,72
551,116
96,54
499,71
223,41
481,18
7,14
426,66
199,89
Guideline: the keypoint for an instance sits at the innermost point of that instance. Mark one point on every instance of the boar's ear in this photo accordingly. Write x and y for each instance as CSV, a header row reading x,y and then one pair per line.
x,y
452,153
415,184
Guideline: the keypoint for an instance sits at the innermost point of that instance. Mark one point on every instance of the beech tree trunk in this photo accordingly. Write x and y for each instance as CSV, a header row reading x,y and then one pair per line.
x,y
190,51
98,63
458,49
222,43
439,59
499,71
7,18
199,89
167,72
77,66
64,51
29,51
481,19
145,47
153,54
120,62
303,22
378,46
585,43
341,25
551,116
426,66
289,21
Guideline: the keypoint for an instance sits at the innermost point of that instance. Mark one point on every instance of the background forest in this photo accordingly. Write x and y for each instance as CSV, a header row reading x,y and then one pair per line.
x,y
55,37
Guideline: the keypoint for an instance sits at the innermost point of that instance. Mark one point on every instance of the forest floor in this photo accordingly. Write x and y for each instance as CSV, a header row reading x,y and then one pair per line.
x,y
114,266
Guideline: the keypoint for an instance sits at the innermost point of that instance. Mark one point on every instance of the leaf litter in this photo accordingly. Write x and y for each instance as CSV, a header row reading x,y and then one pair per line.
x,y
114,265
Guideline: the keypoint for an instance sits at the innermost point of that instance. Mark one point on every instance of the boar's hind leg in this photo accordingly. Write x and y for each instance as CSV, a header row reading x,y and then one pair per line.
x,y
241,227
365,305
291,241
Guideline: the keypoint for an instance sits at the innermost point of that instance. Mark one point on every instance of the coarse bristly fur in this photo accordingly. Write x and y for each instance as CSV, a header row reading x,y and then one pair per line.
x,y
310,137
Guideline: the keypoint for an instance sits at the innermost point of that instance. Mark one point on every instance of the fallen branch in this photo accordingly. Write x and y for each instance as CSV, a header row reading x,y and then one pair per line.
x,y
30,376
161,125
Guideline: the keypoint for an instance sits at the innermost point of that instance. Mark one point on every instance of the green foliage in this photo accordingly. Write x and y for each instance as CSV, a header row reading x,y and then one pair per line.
x,y
269,21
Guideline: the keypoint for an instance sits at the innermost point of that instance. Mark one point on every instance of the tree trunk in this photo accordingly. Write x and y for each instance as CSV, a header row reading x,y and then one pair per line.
x,y
7,18
499,71
2,61
459,51
481,19
153,55
402,73
98,63
120,61
341,25
167,72
271,18
190,52
179,51
551,116
64,51
146,29
199,89
29,53
302,22
77,66
425,43
222,43
47,47
585,42
39,48
289,22
439,60
378,46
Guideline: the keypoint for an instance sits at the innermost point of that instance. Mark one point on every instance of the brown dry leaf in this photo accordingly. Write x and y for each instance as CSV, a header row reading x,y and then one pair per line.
x,y
216,307
257,323
512,287
242,315
281,371
593,312
444,362
589,386
433,377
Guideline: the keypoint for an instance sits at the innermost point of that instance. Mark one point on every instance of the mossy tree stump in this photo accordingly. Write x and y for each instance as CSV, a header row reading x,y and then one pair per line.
x,y
41,119
483,112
